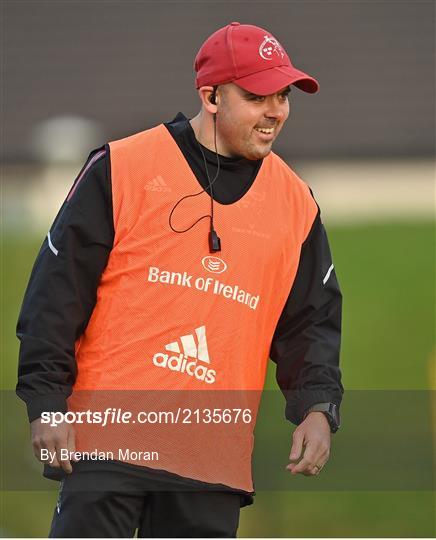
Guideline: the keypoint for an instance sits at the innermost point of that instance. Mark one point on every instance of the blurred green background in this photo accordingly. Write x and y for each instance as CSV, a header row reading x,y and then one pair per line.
x,y
387,279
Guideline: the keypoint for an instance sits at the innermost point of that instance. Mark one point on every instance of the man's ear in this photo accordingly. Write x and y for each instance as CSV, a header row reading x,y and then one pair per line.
x,y
207,95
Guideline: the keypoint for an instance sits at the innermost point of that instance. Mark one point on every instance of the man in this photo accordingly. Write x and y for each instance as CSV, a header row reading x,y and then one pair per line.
x,y
137,288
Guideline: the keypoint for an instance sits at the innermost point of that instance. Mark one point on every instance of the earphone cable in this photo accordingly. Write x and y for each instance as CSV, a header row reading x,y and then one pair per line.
x,y
210,182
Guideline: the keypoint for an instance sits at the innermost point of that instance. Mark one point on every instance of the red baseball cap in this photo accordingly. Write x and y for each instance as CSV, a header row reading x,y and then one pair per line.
x,y
250,57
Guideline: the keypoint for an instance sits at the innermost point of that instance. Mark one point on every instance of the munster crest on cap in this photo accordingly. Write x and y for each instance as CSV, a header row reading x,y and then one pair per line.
x,y
270,46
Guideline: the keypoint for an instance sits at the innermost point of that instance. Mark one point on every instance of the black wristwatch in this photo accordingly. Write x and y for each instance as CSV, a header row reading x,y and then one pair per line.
x,y
331,411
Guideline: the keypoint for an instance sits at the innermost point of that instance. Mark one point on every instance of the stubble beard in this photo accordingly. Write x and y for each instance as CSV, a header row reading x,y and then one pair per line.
x,y
247,149
256,152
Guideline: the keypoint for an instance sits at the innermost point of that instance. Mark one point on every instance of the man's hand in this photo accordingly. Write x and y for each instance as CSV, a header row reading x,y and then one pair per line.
x,y
313,434
53,439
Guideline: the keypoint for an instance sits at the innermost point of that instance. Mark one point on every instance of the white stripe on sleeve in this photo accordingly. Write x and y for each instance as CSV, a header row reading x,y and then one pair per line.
x,y
326,277
50,245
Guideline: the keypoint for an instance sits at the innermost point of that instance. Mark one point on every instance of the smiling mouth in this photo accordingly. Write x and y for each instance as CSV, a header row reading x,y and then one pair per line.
x,y
267,131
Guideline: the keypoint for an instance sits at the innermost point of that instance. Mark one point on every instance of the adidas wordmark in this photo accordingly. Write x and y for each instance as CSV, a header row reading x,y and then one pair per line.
x,y
187,361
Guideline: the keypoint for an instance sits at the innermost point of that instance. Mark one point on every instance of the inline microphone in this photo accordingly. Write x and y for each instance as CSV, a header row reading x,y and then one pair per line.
x,y
214,242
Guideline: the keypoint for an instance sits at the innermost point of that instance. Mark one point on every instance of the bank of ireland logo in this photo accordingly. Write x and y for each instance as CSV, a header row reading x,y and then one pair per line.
x,y
214,264
190,356
270,46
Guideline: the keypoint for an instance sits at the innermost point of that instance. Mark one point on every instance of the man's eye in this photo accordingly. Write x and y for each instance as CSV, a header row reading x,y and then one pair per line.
x,y
253,97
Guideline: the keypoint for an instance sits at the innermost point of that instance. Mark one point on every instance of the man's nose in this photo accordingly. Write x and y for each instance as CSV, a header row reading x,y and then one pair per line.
x,y
275,110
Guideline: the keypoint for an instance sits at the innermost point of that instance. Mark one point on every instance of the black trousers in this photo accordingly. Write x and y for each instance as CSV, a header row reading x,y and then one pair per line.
x,y
93,504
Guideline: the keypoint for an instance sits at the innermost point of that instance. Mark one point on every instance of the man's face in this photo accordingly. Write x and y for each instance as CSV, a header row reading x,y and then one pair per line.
x,y
248,124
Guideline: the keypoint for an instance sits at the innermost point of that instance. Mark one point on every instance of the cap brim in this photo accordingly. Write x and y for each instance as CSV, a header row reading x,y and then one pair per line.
x,y
270,81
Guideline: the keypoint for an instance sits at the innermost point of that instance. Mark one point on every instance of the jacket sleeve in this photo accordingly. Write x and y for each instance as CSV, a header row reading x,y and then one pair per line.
x,y
306,342
61,292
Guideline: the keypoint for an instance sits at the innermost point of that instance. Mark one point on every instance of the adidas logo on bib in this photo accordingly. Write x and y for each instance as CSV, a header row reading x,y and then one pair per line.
x,y
157,184
192,360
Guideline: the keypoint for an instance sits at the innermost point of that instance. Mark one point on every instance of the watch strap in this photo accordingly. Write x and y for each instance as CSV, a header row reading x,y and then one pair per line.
x,y
331,411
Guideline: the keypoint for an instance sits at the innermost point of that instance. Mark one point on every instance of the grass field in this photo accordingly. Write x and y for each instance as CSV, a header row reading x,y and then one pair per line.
x,y
386,272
